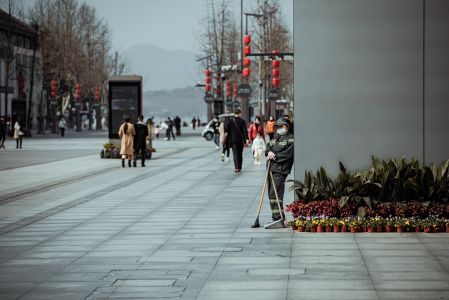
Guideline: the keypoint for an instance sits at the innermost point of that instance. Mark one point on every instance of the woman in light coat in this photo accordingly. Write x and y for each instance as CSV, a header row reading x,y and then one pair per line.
x,y
126,134
18,133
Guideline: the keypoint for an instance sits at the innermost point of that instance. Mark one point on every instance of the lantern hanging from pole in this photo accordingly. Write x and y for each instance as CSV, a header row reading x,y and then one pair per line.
x,y
276,82
97,93
246,72
247,39
246,62
208,80
275,72
247,50
275,63
207,72
218,91
207,88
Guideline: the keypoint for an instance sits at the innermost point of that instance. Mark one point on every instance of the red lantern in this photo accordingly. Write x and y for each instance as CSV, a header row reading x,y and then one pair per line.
x,y
246,62
276,82
207,72
208,80
218,91
275,63
247,50
275,72
54,88
228,94
207,88
97,93
78,91
247,39
246,72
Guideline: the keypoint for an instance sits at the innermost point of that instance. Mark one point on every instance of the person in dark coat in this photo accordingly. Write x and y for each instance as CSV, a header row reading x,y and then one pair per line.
x,y
169,132
177,121
2,132
140,144
280,151
238,135
194,123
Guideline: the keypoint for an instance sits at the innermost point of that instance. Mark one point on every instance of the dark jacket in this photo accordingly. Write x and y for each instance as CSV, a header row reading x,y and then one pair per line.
x,y
283,147
215,125
236,129
140,136
2,128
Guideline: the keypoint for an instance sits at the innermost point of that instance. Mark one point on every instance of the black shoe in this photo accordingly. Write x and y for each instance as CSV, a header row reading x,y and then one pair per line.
x,y
143,165
134,164
123,163
129,163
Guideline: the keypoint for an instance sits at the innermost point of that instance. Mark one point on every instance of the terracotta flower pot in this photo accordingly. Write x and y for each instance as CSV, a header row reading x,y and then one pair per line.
x,y
426,229
319,228
417,229
388,228
447,228
435,229
343,228
353,229
380,228
328,228
369,229
399,229
313,228
336,228
300,229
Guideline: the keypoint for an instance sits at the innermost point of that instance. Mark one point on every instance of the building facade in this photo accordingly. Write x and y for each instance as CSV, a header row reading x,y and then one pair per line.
x,y
17,46
371,78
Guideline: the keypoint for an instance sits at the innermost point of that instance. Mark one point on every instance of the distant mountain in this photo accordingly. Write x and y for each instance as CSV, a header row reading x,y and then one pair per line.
x,y
161,68
184,102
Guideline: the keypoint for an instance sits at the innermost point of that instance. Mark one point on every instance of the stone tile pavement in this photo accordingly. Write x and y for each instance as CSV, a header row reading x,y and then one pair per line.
x,y
179,229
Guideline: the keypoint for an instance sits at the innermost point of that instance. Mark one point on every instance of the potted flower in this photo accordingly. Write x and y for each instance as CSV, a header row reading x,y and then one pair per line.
x,y
380,223
354,225
426,225
343,225
416,223
446,223
300,224
328,223
389,223
334,222
399,224
371,225
292,224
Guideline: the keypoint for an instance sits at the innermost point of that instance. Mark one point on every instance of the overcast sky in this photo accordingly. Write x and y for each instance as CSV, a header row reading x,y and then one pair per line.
x,y
170,24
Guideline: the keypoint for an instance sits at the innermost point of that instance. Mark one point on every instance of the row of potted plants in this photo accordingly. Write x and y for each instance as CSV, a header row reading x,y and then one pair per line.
x,y
370,224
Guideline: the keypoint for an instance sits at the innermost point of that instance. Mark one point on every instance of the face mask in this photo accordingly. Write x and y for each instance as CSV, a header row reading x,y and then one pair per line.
x,y
257,122
271,119
281,131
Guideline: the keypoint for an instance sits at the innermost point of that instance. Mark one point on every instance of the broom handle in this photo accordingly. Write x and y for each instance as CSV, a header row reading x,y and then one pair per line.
x,y
264,189
276,194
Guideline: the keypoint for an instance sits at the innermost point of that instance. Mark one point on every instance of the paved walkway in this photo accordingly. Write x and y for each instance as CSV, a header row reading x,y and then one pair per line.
x,y
80,227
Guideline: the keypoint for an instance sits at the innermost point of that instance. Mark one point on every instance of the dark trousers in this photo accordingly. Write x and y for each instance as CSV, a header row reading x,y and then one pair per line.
x,y
279,182
226,149
178,131
142,151
62,131
170,133
2,139
19,142
237,152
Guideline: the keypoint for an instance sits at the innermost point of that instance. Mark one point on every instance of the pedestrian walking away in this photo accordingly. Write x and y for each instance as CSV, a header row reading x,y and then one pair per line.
x,y
238,135
224,139
140,142
215,125
169,131
193,123
18,133
279,152
126,134
270,130
62,126
258,148
2,131
256,128
177,121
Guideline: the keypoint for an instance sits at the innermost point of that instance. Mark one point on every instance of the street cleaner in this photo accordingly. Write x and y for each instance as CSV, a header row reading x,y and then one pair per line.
x,y
280,153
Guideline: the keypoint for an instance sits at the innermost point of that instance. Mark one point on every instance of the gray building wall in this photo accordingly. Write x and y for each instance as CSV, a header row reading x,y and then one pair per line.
x,y
371,78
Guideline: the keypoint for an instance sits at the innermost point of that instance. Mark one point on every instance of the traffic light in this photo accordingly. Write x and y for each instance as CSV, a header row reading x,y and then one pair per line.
x,y
246,61
54,88
97,93
78,91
